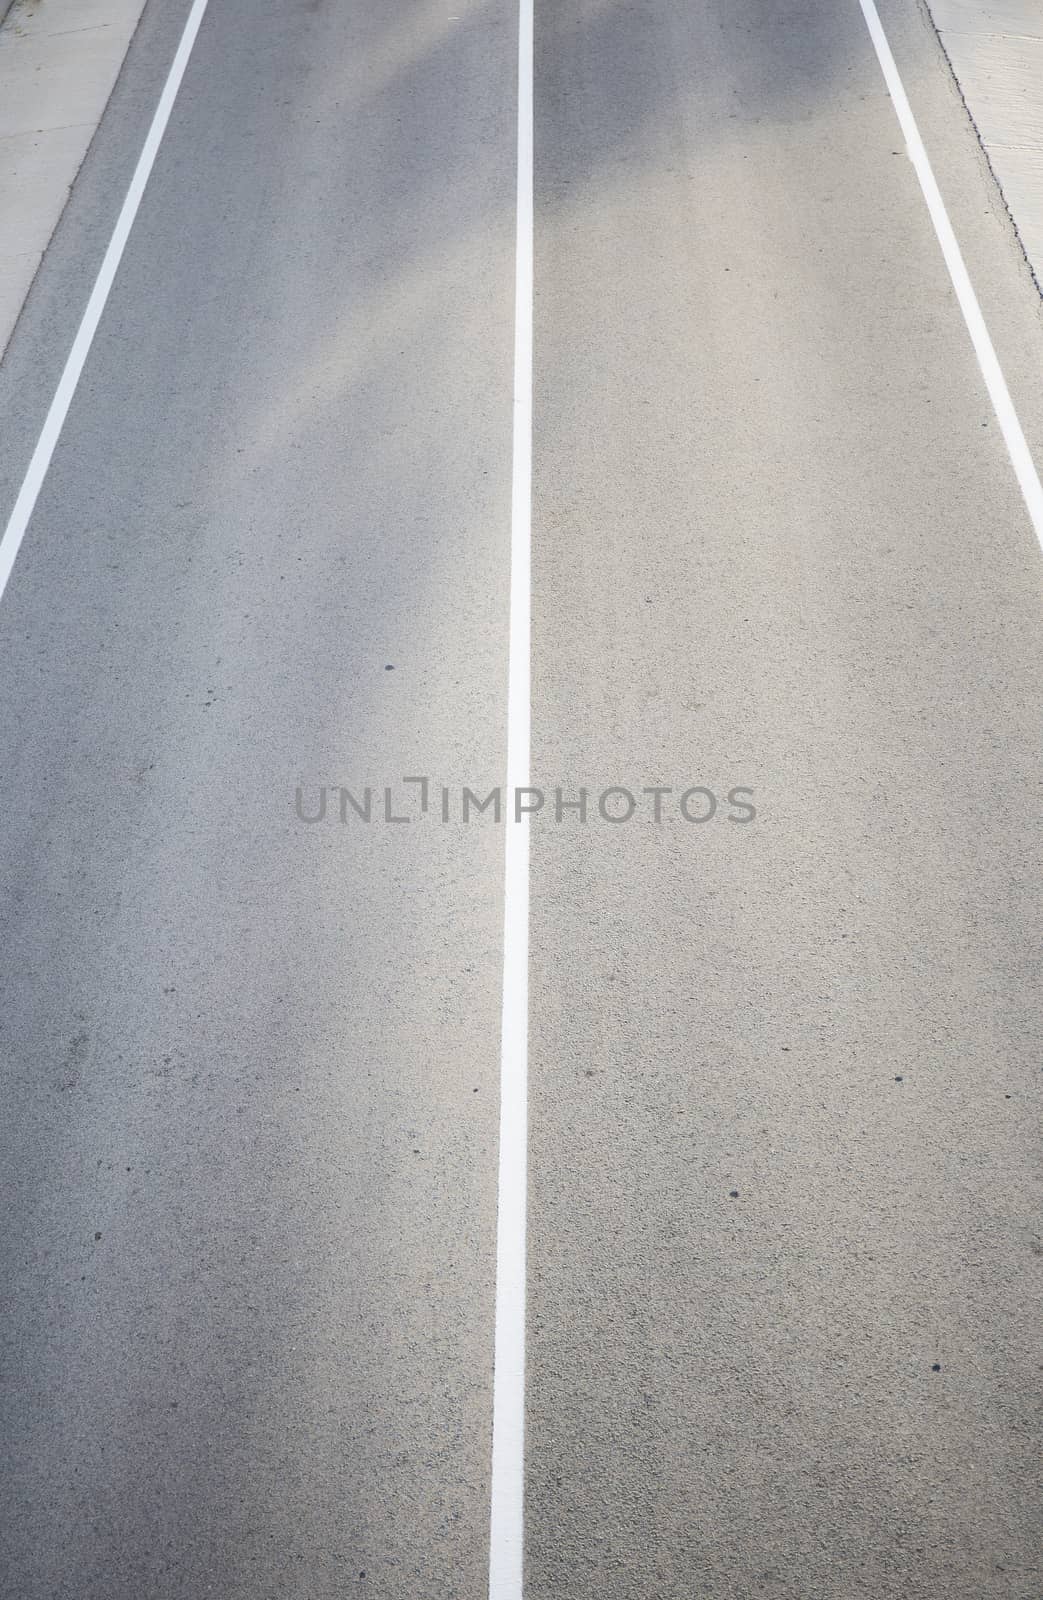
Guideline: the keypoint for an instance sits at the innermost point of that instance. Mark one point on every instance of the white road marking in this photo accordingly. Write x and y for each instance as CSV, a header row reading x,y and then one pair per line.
x,y
995,383
36,472
508,1453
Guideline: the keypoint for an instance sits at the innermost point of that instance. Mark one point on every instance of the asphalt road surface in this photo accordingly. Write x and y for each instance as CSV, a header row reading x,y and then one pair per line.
x,y
784,1248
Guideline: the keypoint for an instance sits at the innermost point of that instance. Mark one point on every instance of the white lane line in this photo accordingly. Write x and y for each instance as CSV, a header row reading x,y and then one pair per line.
x,y
995,383
59,407
508,1454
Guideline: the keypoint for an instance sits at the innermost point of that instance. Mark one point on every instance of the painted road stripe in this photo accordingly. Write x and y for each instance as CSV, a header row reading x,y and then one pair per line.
x,y
11,542
995,383
508,1455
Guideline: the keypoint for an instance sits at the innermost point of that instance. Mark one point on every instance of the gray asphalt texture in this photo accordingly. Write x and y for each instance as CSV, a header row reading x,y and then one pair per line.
x,y
785,1250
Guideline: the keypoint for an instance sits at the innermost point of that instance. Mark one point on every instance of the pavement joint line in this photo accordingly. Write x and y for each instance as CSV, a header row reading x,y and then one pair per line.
x,y
58,410
507,1487
44,128
996,384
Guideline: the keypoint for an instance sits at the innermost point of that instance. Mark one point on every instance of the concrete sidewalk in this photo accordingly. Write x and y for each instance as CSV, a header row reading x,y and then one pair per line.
x,y
59,60
995,49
